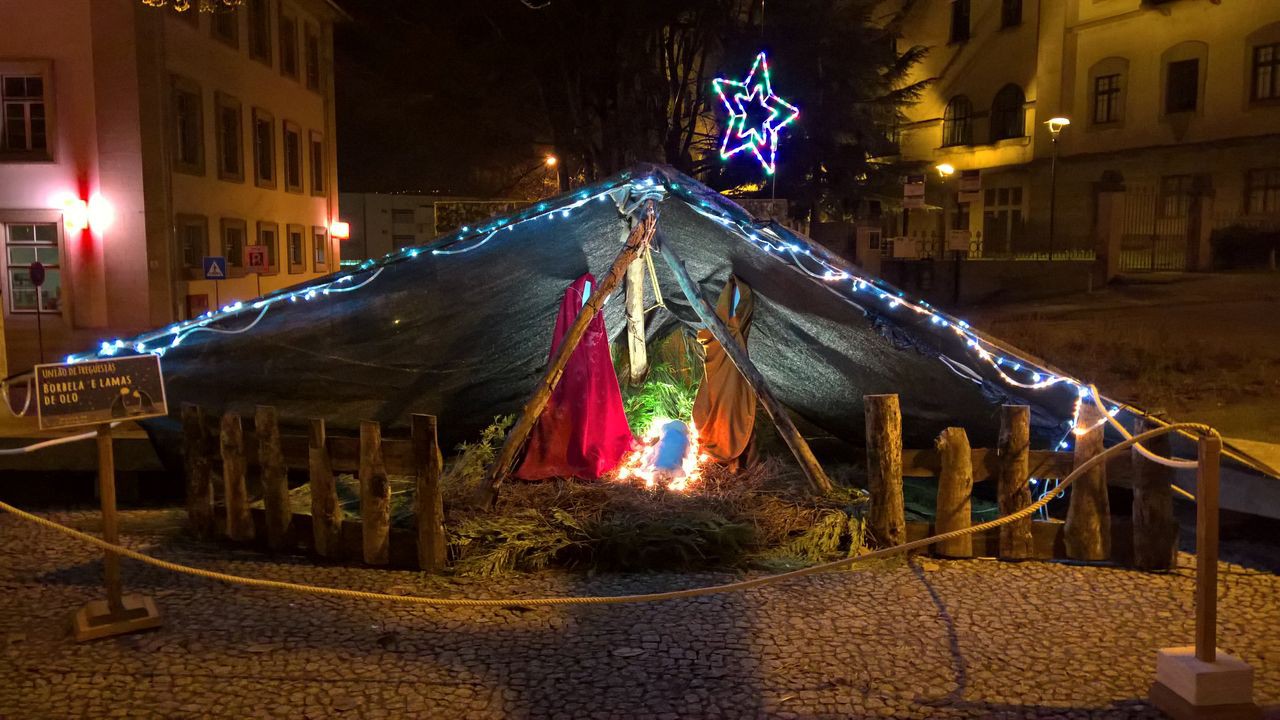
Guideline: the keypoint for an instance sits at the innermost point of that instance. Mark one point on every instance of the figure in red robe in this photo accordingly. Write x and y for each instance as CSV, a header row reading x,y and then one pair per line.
x,y
583,431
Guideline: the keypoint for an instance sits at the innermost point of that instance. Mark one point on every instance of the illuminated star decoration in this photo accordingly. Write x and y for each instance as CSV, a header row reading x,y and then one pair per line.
x,y
761,141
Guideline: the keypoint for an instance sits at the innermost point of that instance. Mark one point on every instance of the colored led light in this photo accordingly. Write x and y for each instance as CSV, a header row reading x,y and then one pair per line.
x,y
756,89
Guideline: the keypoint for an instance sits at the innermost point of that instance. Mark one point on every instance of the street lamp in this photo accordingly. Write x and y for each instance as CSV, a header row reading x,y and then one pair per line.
x,y
1055,127
551,161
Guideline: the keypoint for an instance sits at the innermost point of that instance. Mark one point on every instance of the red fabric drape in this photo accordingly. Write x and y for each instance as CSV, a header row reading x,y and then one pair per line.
x,y
583,431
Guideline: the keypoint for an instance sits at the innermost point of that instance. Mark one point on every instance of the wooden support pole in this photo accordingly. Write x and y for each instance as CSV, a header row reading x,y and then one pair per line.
x,y
1155,531
239,520
110,526
1014,489
637,352
1207,549
275,479
375,496
818,480
326,514
955,486
428,502
640,236
1088,529
195,450
887,516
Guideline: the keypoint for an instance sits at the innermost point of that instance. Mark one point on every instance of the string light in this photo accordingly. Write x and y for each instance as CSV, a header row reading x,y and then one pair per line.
x,y
757,89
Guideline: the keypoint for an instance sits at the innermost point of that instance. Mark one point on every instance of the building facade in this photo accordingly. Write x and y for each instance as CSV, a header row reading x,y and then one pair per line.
x,y
1176,102
136,141
380,223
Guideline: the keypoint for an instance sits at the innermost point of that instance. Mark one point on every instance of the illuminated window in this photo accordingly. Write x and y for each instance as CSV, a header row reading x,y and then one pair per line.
x,y
264,149
225,25
318,183
25,122
193,242
1262,191
319,249
1010,13
1266,72
311,41
959,21
26,243
1008,119
230,138
188,126
260,30
292,157
269,236
1182,86
288,46
957,122
1106,98
233,242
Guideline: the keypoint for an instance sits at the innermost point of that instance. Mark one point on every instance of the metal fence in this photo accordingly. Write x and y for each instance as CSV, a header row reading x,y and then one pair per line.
x,y
1155,230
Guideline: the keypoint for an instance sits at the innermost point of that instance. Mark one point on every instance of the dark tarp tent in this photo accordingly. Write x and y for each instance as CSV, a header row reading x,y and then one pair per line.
x,y
460,328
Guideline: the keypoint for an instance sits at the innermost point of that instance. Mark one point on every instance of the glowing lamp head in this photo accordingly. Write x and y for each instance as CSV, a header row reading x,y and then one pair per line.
x,y
75,212
945,169
1056,125
551,160
340,229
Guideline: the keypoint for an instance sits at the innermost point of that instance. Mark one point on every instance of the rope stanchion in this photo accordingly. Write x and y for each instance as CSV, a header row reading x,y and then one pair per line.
x,y
615,599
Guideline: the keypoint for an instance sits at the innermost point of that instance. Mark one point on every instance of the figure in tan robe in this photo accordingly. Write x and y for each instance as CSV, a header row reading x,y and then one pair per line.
x,y
724,410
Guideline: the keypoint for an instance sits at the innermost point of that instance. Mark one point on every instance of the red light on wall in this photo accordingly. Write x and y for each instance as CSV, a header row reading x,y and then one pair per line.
x,y
340,230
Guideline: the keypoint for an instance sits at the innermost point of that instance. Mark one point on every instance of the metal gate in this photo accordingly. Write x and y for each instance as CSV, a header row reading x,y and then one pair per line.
x,y
1155,230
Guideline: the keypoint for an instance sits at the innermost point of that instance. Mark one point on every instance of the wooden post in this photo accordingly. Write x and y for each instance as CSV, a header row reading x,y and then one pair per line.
x,y
884,469
637,352
818,480
275,479
955,486
1014,488
239,520
1088,529
1207,549
375,496
636,242
1155,532
326,515
195,450
428,502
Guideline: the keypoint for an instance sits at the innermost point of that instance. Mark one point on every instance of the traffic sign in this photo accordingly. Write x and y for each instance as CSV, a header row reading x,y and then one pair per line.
x,y
36,272
256,260
215,267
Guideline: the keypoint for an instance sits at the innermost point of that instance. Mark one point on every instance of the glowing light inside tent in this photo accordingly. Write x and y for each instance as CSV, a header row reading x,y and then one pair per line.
x,y
668,456
737,96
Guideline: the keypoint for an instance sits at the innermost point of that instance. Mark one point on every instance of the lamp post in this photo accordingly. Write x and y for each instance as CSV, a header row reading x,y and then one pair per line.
x,y
945,171
1055,127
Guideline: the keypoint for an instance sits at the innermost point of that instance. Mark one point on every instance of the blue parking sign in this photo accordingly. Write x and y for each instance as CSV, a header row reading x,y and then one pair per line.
x,y
215,267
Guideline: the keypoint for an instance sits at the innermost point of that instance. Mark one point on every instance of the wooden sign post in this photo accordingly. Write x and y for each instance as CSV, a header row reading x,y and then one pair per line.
x,y
98,393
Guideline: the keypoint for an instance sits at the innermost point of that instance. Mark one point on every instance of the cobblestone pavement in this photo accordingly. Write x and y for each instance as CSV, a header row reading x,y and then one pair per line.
x,y
932,639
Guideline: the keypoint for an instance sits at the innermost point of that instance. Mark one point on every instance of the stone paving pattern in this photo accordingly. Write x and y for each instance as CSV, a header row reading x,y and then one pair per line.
x,y
929,639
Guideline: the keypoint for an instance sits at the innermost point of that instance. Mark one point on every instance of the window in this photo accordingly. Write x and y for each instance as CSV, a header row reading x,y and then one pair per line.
x,y
288,46
312,49
319,249
297,236
230,138
24,125
1010,13
26,243
269,237
1262,191
316,140
193,243
957,122
1106,98
233,242
264,149
1266,72
260,30
1007,116
959,21
225,26
1175,196
188,127
1002,219
402,217
292,157
1182,89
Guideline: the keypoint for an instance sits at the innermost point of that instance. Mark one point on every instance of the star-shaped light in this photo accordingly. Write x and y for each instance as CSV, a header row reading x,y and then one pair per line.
x,y
737,96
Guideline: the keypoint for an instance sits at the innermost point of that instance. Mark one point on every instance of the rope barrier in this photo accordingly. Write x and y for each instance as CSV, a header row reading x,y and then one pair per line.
x,y
615,599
